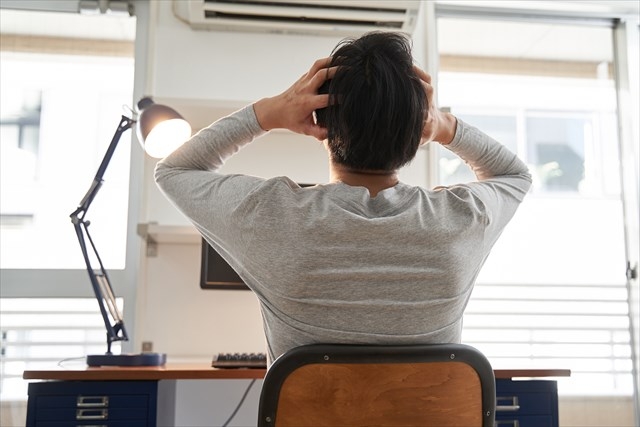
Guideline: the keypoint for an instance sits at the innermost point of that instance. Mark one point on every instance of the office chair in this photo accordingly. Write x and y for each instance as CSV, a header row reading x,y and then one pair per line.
x,y
351,385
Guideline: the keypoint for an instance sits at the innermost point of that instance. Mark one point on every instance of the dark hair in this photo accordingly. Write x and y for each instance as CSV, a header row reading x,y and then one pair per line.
x,y
377,103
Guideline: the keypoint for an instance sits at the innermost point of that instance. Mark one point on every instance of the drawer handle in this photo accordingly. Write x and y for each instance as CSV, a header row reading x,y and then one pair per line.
x,y
92,401
509,423
92,414
507,404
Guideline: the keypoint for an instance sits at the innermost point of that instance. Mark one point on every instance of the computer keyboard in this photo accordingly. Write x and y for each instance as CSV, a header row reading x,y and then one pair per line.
x,y
239,360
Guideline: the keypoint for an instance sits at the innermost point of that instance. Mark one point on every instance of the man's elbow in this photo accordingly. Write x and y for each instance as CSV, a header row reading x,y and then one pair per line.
x,y
527,180
160,173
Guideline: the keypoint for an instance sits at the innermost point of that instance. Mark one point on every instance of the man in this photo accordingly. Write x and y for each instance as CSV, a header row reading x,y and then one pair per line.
x,y
364,259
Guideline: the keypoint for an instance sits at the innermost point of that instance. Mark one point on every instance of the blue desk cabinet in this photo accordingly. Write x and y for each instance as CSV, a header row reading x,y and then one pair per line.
x,y
92,403
114,396
528,403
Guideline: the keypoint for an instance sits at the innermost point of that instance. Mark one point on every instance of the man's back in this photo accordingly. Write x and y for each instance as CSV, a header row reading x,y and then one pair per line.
x,y
331,264
343,268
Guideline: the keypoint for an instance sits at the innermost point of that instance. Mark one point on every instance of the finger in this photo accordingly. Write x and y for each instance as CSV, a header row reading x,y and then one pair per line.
x,y
331,72
429,91
422,74
318,65
322,76
319,101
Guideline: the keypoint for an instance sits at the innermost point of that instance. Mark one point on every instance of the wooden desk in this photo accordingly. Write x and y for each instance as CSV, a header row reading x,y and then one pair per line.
x,y
177,395
184,371
202,371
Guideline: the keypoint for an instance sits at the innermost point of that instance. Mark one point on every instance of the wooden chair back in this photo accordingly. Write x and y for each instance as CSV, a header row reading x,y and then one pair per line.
x,y
341,385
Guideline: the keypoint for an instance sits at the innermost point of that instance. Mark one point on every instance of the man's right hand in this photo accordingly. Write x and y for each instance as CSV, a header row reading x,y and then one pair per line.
x,y
293,109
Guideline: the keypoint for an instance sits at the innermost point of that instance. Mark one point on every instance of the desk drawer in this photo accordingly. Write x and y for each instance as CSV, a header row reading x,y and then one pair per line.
x,y
523,403
127,423
92,414
526,403
92,403
525,421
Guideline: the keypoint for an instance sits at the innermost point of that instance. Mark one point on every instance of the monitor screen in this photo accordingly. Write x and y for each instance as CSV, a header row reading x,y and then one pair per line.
x,y
215,273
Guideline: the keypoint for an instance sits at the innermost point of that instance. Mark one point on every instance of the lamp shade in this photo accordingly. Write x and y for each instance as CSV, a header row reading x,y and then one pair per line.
x,y
160,128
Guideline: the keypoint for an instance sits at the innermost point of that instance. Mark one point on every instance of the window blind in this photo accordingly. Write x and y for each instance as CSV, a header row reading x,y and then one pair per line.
x,y
38,333
583,328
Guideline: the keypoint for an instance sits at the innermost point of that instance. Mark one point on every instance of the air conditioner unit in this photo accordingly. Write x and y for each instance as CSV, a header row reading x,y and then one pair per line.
x,y
335,17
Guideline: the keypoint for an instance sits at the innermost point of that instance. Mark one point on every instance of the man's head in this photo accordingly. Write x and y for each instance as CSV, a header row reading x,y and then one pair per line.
x,y
377,103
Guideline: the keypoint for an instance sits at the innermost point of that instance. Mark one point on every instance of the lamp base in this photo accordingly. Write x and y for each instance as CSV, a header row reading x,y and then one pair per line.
x,y
141,359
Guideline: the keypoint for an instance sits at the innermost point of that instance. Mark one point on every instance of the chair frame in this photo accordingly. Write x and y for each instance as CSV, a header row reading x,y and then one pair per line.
x,y
374,354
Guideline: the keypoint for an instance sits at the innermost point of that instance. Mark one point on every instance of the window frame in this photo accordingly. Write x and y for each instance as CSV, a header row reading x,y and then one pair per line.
x,y
620,22
71,283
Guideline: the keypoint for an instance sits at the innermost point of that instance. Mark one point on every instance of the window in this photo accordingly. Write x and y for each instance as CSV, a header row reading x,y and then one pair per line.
x,y
552,293
66,81
58,115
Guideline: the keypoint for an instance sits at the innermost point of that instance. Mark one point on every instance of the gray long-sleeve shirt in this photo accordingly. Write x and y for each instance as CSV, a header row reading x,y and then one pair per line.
x,y
329,263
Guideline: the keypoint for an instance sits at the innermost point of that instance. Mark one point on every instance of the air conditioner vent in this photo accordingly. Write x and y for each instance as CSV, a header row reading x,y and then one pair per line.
x,y
340,17
302,19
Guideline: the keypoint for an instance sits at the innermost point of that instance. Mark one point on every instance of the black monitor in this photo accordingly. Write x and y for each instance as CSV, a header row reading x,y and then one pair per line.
x,y
215,273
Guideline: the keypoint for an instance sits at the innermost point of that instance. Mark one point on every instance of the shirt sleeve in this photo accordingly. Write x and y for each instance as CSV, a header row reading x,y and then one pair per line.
x,y
211,146
190,178
503,179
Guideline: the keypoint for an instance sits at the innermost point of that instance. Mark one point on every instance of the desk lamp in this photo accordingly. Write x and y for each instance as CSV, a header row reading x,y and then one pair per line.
x,y
161,130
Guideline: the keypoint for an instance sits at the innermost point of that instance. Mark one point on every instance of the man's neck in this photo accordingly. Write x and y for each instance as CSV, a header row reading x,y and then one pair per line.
x,y
373,180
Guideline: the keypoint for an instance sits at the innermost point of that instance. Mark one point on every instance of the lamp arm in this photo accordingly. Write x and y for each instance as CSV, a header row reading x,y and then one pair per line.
x,y
125,124
101,288
98,276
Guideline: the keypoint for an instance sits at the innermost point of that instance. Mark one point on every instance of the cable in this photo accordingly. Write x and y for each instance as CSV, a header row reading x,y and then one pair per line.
x,y
69,359
244,396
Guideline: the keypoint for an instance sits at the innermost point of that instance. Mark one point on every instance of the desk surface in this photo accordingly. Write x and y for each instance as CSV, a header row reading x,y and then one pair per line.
x,y
202,371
